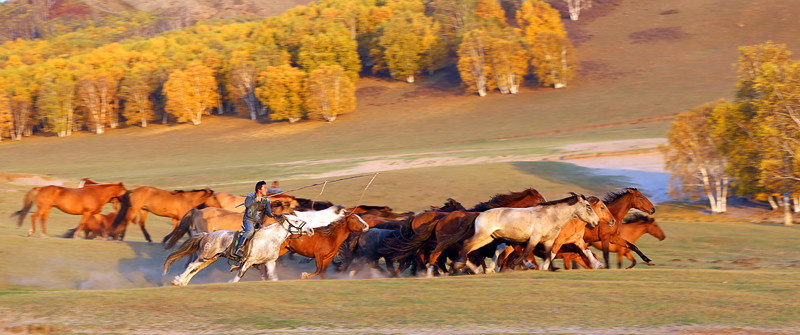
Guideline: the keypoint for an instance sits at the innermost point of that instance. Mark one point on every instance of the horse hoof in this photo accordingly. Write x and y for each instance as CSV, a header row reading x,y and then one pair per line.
x,y
304,275
650,263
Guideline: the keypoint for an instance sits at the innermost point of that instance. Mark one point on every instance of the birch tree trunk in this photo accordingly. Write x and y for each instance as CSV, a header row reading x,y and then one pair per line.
x,y
787,211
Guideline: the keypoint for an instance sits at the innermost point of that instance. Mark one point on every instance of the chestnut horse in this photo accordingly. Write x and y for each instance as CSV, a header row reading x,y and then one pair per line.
x,y
536,224
619,203
85,201
172,204
631,230
325,242
97,225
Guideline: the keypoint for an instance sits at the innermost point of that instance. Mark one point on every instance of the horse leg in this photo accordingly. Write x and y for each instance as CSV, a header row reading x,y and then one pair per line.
x,y
639,252
471,244
42,223
432,260
390,266
595,263
81,225
628,255
605,246
318,260
270,268
192,269
549,255
142,217
41,211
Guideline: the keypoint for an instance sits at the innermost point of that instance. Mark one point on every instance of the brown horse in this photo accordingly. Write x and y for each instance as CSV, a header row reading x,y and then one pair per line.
x,y
325,242
631,230
172,204
619,203
211,219
85,201
98,225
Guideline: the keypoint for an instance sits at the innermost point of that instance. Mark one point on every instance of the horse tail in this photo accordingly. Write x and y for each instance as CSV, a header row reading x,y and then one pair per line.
x,y
183,227
187,248
464,230
70,233
124,205
404,248
26,205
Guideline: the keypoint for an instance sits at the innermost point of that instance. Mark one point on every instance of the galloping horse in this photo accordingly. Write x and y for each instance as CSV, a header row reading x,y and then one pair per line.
x,y
367,251
172,204
534,225
263,249
325,242
85,201
619,203
211,219
631,230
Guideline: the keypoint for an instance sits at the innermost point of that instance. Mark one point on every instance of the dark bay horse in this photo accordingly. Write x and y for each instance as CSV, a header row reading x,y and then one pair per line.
x,y
172,204
325,242
85,201
619,203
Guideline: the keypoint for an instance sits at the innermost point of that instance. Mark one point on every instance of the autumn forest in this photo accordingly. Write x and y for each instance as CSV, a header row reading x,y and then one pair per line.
x,y
60,76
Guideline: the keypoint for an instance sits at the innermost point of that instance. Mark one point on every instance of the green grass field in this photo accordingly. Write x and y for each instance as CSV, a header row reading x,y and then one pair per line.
x,y
713,275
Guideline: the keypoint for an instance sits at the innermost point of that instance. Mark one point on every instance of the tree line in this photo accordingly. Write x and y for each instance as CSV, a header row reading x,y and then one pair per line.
x,y
751,144
299,65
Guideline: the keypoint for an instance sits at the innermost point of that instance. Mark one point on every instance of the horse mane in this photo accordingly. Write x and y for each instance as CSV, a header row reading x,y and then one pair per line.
x,y
614,196
638,217
570,200
329,229
500,200
197,190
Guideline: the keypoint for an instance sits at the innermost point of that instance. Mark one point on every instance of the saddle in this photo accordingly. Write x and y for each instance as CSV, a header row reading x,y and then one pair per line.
x,y
230,251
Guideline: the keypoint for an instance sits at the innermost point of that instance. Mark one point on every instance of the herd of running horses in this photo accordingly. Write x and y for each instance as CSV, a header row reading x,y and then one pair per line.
x,y
509,229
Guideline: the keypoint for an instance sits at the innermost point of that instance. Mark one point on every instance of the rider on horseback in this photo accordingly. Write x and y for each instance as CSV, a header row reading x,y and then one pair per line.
x,y
256,205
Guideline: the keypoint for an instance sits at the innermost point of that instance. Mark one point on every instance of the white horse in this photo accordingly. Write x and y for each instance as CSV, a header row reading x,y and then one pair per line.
x,y
264,248
536,224
321,218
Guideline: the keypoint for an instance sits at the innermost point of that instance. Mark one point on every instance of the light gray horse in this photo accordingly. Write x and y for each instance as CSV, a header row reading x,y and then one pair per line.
x,y
264,248
536,224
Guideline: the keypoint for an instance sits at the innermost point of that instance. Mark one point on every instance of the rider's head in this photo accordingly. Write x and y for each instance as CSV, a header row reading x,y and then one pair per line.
x,y
259,184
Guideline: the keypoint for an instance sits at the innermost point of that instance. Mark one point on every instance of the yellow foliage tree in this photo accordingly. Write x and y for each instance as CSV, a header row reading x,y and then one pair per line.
x,y
507,59
283,90
405,41
488,10
330,92
191,92
6,118
57,101
137,86
554,62
332,47
473,66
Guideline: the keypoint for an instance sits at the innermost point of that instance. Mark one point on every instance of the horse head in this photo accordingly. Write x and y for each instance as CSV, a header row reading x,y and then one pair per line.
x,y
584,210
355,223
641,202
298,226
654,229
602,211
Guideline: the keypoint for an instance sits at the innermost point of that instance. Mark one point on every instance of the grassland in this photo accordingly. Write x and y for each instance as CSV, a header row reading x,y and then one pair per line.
x,y
431,142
